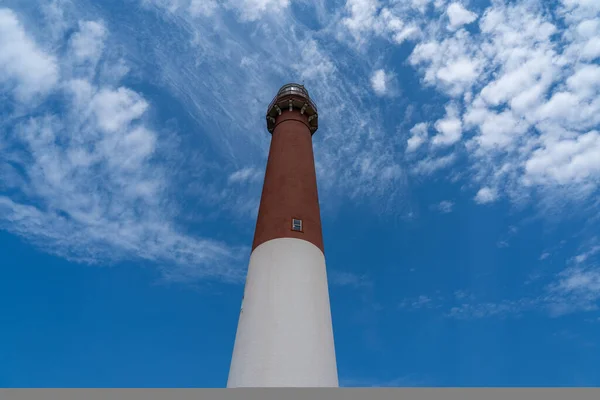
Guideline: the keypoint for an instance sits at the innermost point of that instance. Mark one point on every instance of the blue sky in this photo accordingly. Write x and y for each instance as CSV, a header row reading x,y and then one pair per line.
x,y
458,161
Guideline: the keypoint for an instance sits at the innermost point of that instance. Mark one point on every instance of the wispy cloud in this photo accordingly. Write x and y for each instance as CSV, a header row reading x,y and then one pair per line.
x,y
23,64
245,175
420,302
461,295
445,206
410,380
349,154
349,279
85,181
581,258
430,165
574,289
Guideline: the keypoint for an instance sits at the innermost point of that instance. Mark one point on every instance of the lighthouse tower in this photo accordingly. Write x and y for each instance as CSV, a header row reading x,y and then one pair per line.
x,y
284,336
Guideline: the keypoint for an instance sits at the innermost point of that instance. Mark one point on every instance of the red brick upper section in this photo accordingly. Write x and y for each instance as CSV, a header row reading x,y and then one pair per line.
x,y
290,186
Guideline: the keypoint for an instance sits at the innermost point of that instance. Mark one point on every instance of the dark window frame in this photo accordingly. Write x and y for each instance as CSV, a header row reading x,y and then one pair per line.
x,y
294,225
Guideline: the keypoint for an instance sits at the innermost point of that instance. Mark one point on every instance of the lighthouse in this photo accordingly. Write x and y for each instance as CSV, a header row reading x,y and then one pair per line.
x,y
284,336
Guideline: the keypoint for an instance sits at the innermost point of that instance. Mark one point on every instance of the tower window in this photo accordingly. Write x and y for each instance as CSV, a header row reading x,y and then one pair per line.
x,y
296,224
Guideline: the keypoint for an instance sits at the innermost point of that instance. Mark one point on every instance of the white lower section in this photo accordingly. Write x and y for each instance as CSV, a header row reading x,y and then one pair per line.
x,y
285,336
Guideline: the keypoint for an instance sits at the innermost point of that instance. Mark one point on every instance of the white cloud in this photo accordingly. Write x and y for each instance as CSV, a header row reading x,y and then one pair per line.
x,y
252,10
87,44
203,7
585,80
537,68
411,380
418,137
430,165
583,257
22,62
574,289
492,309
453,64
371,17
459,15
420,5
463,295
421,301
591,50
116,109
568,161
577,280
496,130
349,279
528,96
245,175
461,70
314,64
246,10
582,5
577,287
379,82
362,14
445,206
486,195
449,129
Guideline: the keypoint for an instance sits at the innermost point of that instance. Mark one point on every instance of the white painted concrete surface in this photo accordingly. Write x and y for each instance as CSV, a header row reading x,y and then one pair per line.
x,y
285,336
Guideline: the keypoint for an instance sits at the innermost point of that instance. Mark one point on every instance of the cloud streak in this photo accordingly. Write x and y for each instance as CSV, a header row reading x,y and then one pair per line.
x,y
573,290
85,180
